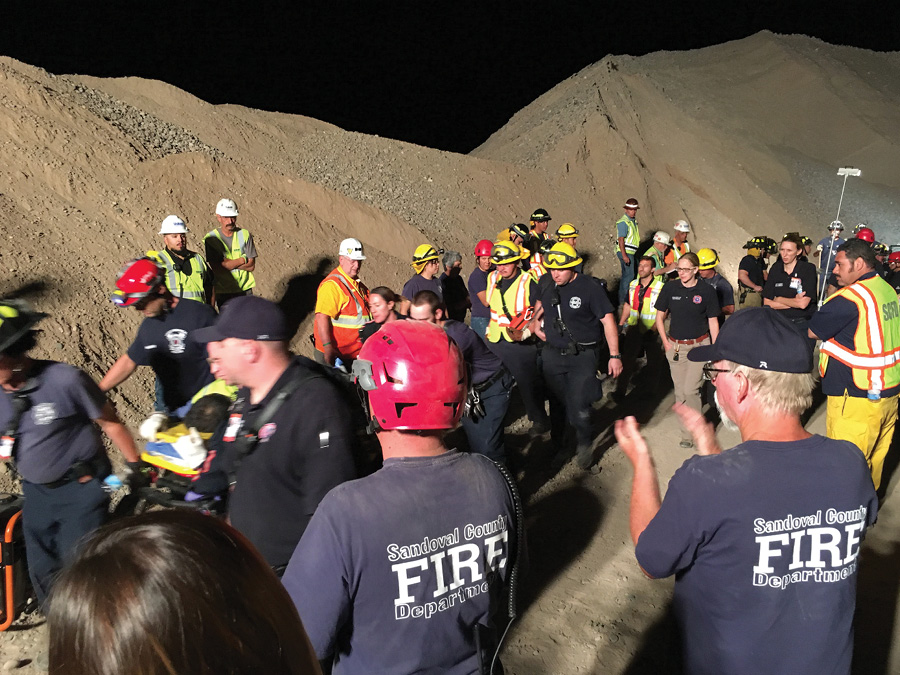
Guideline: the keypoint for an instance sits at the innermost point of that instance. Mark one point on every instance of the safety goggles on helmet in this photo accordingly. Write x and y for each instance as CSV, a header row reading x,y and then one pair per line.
x,y
560,257
505,252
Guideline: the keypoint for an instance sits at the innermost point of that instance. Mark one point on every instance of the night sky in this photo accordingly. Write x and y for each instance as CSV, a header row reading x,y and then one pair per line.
x,y
412,71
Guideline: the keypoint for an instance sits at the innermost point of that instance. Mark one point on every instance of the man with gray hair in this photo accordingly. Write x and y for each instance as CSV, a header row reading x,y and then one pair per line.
x,y
456,295
763,538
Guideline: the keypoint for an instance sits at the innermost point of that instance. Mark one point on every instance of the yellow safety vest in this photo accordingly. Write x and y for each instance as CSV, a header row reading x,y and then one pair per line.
x,y
875,357
240,280
185,286
654,253
517,300
646,313
216,387
633,238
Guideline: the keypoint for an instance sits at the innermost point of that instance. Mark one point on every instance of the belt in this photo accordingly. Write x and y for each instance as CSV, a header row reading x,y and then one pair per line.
x,y
695,341
481,386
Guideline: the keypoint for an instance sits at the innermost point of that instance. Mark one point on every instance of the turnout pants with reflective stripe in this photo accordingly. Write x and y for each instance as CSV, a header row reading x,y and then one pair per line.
x,y
572,379
869,425
521,359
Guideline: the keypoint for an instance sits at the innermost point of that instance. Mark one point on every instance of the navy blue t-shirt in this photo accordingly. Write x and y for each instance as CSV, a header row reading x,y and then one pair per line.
x,y
166,344
724,290
582,304
764,542
58,429
754,267
482,362
690,308
837,319
478,284
396,569
420,283
828,252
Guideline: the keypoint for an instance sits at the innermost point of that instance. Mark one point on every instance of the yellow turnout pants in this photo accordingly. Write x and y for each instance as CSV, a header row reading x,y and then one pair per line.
x,y
867,424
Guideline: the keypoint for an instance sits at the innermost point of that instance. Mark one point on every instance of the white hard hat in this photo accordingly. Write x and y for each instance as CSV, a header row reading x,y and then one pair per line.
x,y
682,226
351,248
662,238
226,208
173,225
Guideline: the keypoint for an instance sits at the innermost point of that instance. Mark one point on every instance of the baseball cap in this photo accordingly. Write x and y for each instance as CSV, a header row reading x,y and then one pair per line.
x,y
351,248
759,337
226,208
248,317
173,225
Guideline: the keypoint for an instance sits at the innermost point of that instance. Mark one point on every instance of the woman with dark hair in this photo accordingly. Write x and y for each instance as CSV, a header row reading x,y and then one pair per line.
x,y
381,304
174,593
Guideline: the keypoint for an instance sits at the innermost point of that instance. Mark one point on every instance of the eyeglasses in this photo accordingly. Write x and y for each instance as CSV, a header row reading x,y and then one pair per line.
x,y
685,269
710,374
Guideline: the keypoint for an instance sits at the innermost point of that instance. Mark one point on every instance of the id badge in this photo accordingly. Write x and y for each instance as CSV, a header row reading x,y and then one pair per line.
x,y
234,426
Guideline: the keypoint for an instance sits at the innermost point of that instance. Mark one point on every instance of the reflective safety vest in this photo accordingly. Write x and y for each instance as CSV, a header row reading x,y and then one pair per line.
x,y
240,280
675,252
354,314
536,265
643,302
185,286
633,238
216,387
875,357
516,298
654,253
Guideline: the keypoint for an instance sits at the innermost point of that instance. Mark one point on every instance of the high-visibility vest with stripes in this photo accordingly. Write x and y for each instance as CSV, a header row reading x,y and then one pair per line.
x,y
657,256
536,265
240,280
517,300
354,315
675,252
633,238
646,313
875,357
185,286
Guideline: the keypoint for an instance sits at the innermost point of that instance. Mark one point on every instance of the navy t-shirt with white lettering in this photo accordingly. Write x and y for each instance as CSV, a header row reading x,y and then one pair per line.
x,y
763,541
58,428
165,343
396,569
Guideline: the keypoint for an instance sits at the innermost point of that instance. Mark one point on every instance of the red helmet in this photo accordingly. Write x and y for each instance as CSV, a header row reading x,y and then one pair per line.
x,y
894,257
415,377
484,247
866,235
137,279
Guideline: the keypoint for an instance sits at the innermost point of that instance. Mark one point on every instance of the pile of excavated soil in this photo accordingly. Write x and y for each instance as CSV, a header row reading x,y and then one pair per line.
x,y
741,139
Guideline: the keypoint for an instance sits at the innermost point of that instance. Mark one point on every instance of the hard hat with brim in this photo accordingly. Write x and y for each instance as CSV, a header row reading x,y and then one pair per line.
x,y
173,225
227,208
562,256
16,320
682,226
759,337
351,248
505,252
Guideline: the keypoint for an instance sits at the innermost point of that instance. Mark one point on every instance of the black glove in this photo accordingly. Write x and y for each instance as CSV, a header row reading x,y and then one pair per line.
x,y
136,477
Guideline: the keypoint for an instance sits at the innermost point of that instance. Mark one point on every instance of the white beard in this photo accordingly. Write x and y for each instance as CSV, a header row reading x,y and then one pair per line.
x,y
726,420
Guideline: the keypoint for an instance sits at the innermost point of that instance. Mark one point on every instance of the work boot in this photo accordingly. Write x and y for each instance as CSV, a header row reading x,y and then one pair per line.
x,y
584,456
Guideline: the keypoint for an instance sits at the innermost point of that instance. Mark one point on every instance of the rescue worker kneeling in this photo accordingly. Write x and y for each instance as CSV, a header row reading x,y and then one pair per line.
x,y
575,310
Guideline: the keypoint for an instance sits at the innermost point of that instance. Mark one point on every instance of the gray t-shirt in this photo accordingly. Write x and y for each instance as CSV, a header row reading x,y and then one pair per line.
x,y
396,569
58,427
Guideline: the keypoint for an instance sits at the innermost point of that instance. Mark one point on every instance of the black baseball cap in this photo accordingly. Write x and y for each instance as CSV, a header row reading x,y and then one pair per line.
x,y
761,338
248,317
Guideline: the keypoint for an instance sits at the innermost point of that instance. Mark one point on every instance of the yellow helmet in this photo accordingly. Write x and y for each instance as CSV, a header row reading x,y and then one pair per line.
x,y
566,230
562,256
505,252
708,258
424,254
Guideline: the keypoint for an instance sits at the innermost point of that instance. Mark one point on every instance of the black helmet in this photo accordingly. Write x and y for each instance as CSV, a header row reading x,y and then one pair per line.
x,y
520,230
540,215
16,320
